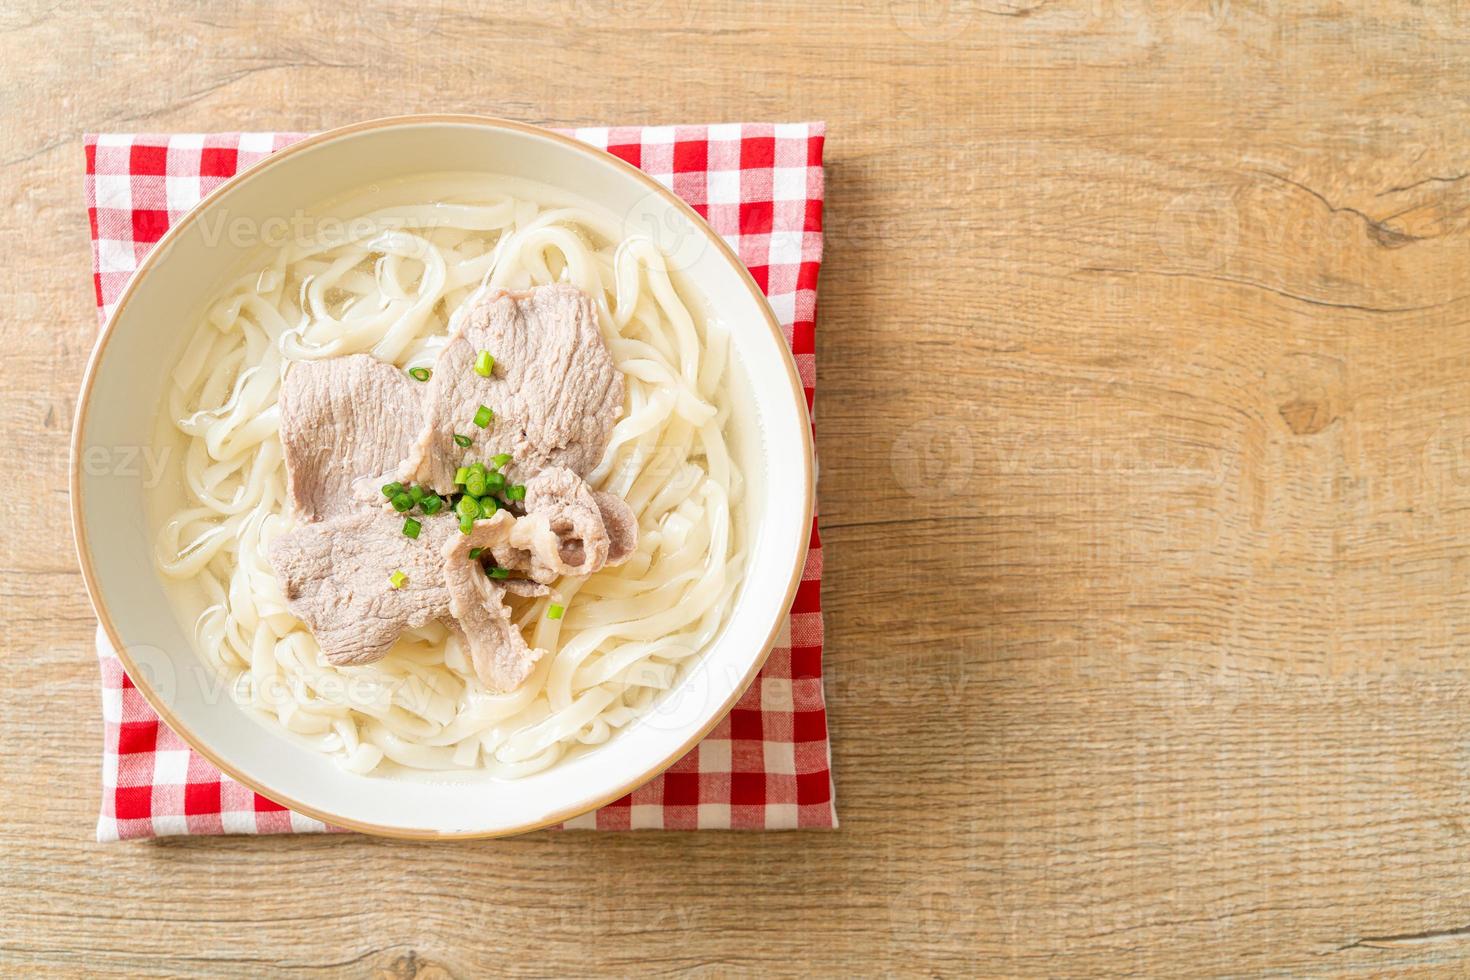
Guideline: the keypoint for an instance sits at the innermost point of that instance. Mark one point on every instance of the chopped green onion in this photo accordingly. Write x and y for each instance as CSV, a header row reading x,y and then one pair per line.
x,y
398,579
416,494
517,492
432,504
478,468
402,502
467,507
391,490
484,364
495,571
494,483
500,459
555,612
483,416
474,484
475,553
411,527
462,474
463,442
488,506
420,373
466,525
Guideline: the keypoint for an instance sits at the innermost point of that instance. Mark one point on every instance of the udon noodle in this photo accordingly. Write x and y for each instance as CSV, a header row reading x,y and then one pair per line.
x,y
386,278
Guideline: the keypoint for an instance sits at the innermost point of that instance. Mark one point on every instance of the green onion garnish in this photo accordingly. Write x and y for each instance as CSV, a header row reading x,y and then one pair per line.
x,y
402,502
483,416
467,507
420,373
411,527
495,571
462,474
500,459
475,553
432,504
466,525
463,442
398,579
391,490
484,364
494,482
517,492
488,506
555,611
474,484
416,494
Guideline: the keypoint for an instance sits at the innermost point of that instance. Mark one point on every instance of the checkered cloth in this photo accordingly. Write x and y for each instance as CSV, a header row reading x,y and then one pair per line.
x,y
765,766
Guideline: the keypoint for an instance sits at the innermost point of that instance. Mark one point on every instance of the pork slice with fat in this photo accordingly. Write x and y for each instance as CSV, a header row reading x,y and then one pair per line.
x,y
554,390
501,657
337,578
342,420
621,525
568,529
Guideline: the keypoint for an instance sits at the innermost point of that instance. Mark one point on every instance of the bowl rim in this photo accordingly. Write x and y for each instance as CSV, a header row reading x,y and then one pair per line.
x,y
161,248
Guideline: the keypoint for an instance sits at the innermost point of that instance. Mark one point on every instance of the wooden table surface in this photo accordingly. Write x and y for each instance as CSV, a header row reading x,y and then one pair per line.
x,y
1144,422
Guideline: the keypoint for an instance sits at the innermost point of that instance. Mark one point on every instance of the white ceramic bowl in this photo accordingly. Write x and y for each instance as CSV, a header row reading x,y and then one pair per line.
x,y
121,394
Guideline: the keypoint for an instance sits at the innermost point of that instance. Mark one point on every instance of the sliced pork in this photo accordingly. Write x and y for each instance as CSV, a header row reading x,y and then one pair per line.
x,y
337,576
525,588
621,525
554,391
500,655
342,420
349,569
568,529
338,579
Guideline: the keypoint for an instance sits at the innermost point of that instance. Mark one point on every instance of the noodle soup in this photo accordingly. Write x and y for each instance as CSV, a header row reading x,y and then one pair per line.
x,y
384,272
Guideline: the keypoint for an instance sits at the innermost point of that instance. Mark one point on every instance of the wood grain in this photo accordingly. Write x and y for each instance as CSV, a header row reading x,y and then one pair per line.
x,y
1145,434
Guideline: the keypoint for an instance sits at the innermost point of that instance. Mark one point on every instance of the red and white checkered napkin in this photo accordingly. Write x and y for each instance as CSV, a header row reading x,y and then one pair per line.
x,y
768,764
